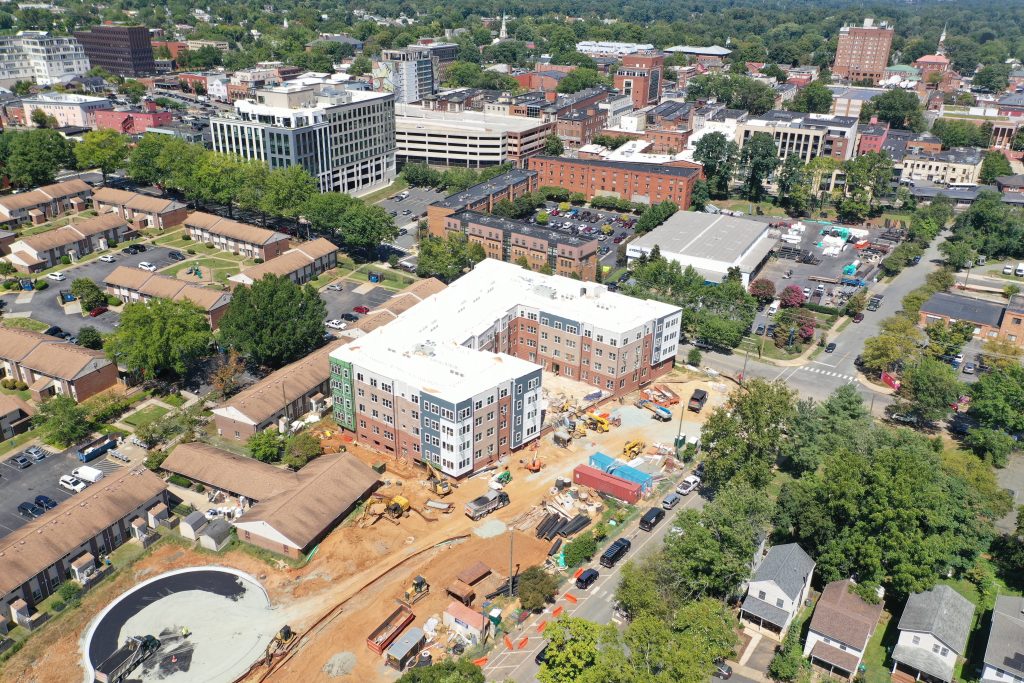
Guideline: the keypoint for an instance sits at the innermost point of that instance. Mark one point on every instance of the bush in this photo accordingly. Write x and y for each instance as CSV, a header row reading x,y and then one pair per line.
x,y
40,285
155,459
198,488
65,260
210,245
581,549
186,238
693,358
536,588
818,308
21,386
191,251
70,592
7,383
788,661
58,605
113,300
179,480
257,260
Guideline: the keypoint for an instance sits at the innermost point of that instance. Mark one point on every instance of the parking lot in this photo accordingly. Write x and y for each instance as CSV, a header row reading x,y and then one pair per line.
x,y
576,225
45,307
348,298
409,210
40,478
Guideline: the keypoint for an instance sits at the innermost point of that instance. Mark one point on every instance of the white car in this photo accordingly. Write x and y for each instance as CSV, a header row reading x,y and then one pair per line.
x,y
146,265
58,276
335,288
72,484
107,258
688,486
336,324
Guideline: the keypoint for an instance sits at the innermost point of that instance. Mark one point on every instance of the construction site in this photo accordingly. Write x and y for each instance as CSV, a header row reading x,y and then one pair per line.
x,y
421,570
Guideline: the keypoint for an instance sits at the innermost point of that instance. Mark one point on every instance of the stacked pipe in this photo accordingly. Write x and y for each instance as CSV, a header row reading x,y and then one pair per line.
x,y
577,524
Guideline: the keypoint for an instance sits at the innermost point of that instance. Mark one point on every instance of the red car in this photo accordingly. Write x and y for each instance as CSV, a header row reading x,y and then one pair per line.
x,y
858,317
361,309
99,310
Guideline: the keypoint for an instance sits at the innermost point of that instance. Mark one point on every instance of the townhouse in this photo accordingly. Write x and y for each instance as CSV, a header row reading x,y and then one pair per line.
x,y
52,366
44,203
238,238
132,285
300,264
75,240
140,210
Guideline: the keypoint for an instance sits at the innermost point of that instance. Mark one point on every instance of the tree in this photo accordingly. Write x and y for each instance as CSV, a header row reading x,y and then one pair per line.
x,y
446,258
815,98
40,118
743,439
274,321
759,159
961,133
104,149
553,145
794,186
88,293
738,92
990,227
995,164
536,588
61,421
895,345
287,191
572,649
325,211
929,388
447,671
774,71
219,178
133,90
142,165
580,79
819,429
35,156
992,445
225,378
265,446
897,107
763,290
718,155
655,215
792,296
159,336
90,338
365,227
360,65
992,77
580,549
300,449
997,396
948,339
700,197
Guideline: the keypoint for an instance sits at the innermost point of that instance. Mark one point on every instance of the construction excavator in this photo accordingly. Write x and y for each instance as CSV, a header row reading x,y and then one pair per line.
x,y
417,590
632,449
383,508
437,482
280,642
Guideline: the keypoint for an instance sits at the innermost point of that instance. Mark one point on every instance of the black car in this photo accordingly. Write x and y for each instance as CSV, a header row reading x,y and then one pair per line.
x,y
830,348
176,256
131,251
53,330
349,317
139,247
30,510
587,579
542,656
45,502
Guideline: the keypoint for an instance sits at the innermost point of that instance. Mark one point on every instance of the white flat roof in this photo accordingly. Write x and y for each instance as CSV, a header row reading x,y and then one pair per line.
x,y
710,237
412,117
424,345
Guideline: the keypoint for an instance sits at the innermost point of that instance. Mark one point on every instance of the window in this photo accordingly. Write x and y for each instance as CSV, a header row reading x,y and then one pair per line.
x,y
916,640
936,647
761,595
945,651
779,602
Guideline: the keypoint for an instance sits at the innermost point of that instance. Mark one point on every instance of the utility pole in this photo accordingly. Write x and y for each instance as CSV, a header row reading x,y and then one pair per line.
x,y
511,538
743,374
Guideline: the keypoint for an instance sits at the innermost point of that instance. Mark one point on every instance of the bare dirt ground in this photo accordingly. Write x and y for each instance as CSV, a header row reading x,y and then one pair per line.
x,y
358,571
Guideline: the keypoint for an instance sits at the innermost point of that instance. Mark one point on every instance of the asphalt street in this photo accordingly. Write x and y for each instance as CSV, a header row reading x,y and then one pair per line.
x,y
594,604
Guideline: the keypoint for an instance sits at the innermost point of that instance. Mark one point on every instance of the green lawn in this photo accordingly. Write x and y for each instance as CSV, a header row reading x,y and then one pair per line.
x,y
57,223
25,324
175,400
385,192
769,350
876,656
222,264
145,416
17,441
748,207
23,395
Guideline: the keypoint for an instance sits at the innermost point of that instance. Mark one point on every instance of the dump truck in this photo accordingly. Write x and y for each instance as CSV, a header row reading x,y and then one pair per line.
x,y
117,666
385,634
660,412
486,504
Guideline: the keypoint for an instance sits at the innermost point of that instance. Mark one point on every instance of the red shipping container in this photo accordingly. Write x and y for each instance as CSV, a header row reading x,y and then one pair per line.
x,y
616,487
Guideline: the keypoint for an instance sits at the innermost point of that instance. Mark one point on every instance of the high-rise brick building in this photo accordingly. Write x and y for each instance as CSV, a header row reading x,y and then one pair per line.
x,y
121,50
863,51
641,77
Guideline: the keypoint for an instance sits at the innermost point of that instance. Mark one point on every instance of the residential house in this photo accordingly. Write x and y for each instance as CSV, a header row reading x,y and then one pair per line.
x,y
238,238
141,210
840,629
44,203
75,240
1004,654
991,319
133,284
778,589
221,470
302,263
933,635
15,416
51,366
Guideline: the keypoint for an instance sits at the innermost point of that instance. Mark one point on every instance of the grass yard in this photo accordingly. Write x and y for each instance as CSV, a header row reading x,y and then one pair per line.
x,y
174,240
145,416
24,324
385,192
222,265
768,351
18,440
876,656
749,207
175,400
58,223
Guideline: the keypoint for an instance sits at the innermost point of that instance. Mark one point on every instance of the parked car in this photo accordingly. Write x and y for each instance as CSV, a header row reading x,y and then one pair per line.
x,y
858,317
969,368
131,250
671,500
722,670
176,256
587,579
72,484
760,330
335,324
831,347
147,266
361,309
335,288
406,212
53,330
542,656
20,461
30,510
107,258
688,485
140,248
99,310
58,276
349,317
45,502
36,453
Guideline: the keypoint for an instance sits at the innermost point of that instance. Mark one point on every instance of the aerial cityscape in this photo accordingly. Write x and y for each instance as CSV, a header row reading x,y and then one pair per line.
x,y
474,342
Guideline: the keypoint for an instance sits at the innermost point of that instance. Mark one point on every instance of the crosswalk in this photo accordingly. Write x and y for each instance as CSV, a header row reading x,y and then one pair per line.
x,y
820,371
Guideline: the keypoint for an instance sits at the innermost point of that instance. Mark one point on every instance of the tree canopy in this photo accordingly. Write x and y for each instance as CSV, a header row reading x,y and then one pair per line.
x,y
159,336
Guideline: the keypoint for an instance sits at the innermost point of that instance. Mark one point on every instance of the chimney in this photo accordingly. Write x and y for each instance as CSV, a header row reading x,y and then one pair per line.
x,y
550,95
874,120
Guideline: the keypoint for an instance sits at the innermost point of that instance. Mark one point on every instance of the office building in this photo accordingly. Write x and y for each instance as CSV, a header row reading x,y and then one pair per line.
x,y
37,56
456,380
641,77
344,138
411,73
468,139
644,183
806,135
511,241
862,52
956,166
608,48
68,109
121,50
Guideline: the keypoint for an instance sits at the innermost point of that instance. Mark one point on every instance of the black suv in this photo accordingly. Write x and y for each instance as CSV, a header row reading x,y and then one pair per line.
x,y
615,552
176,256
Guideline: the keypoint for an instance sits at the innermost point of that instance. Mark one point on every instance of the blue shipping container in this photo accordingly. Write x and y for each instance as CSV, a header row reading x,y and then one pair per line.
x,y
610,465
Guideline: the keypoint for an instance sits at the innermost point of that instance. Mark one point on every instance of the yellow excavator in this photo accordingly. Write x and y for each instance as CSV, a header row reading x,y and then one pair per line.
x,y
280,642
437,482
397,507
632,449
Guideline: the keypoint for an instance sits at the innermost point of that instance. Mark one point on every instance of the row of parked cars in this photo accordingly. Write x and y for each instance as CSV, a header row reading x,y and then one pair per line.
x,y
41,503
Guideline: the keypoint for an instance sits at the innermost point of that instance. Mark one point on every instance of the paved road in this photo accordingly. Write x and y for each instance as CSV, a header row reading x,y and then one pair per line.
x,y
595,604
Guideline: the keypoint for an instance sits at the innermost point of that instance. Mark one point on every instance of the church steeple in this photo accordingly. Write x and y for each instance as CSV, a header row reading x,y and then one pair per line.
x,y
942,41
503,33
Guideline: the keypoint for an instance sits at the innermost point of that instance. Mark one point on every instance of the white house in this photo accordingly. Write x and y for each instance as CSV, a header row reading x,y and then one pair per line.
x,y
840,629
933,633
1004,654
778,588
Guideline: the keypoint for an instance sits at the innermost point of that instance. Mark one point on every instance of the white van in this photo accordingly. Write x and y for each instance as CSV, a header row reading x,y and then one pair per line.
x,y
89,474
774,308
1020,270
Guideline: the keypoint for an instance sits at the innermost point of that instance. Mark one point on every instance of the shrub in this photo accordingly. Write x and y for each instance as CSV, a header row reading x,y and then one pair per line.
x,y
199,488
65,260
179,480
21,386
155,459
7,383
191,251
581,549
209,245
818,308
186,238
113,300
693,358
70,592
40,285
536,588
257,260
58,605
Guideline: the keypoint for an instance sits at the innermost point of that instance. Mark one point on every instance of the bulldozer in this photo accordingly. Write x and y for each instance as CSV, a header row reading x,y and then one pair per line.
x,y
437,482
417,590
633,449
596,422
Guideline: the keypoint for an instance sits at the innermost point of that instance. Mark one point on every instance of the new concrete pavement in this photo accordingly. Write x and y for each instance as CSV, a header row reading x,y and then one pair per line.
x,y
594,604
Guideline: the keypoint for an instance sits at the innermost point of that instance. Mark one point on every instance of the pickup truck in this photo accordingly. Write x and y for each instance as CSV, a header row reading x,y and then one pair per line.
x,y
486,504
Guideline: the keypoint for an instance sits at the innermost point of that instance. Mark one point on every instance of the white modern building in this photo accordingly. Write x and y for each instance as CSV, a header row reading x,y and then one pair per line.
x,y
411,73
40,57
805,135
344,138
711,243
469,139
608,48
67,108
456,380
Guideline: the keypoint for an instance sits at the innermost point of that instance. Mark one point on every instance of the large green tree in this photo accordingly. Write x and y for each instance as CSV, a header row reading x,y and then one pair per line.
x,y
160,336
815,98
718,155
287,191
759,158
325,211
994,164
446,258
897,107
88,292
274,321
929,387
104,149
997,397
365,227
447,671
61,421
33,157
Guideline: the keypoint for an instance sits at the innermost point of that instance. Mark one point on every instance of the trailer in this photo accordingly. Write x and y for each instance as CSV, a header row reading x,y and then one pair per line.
x,y
117,666
660,412
671,397
385,634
